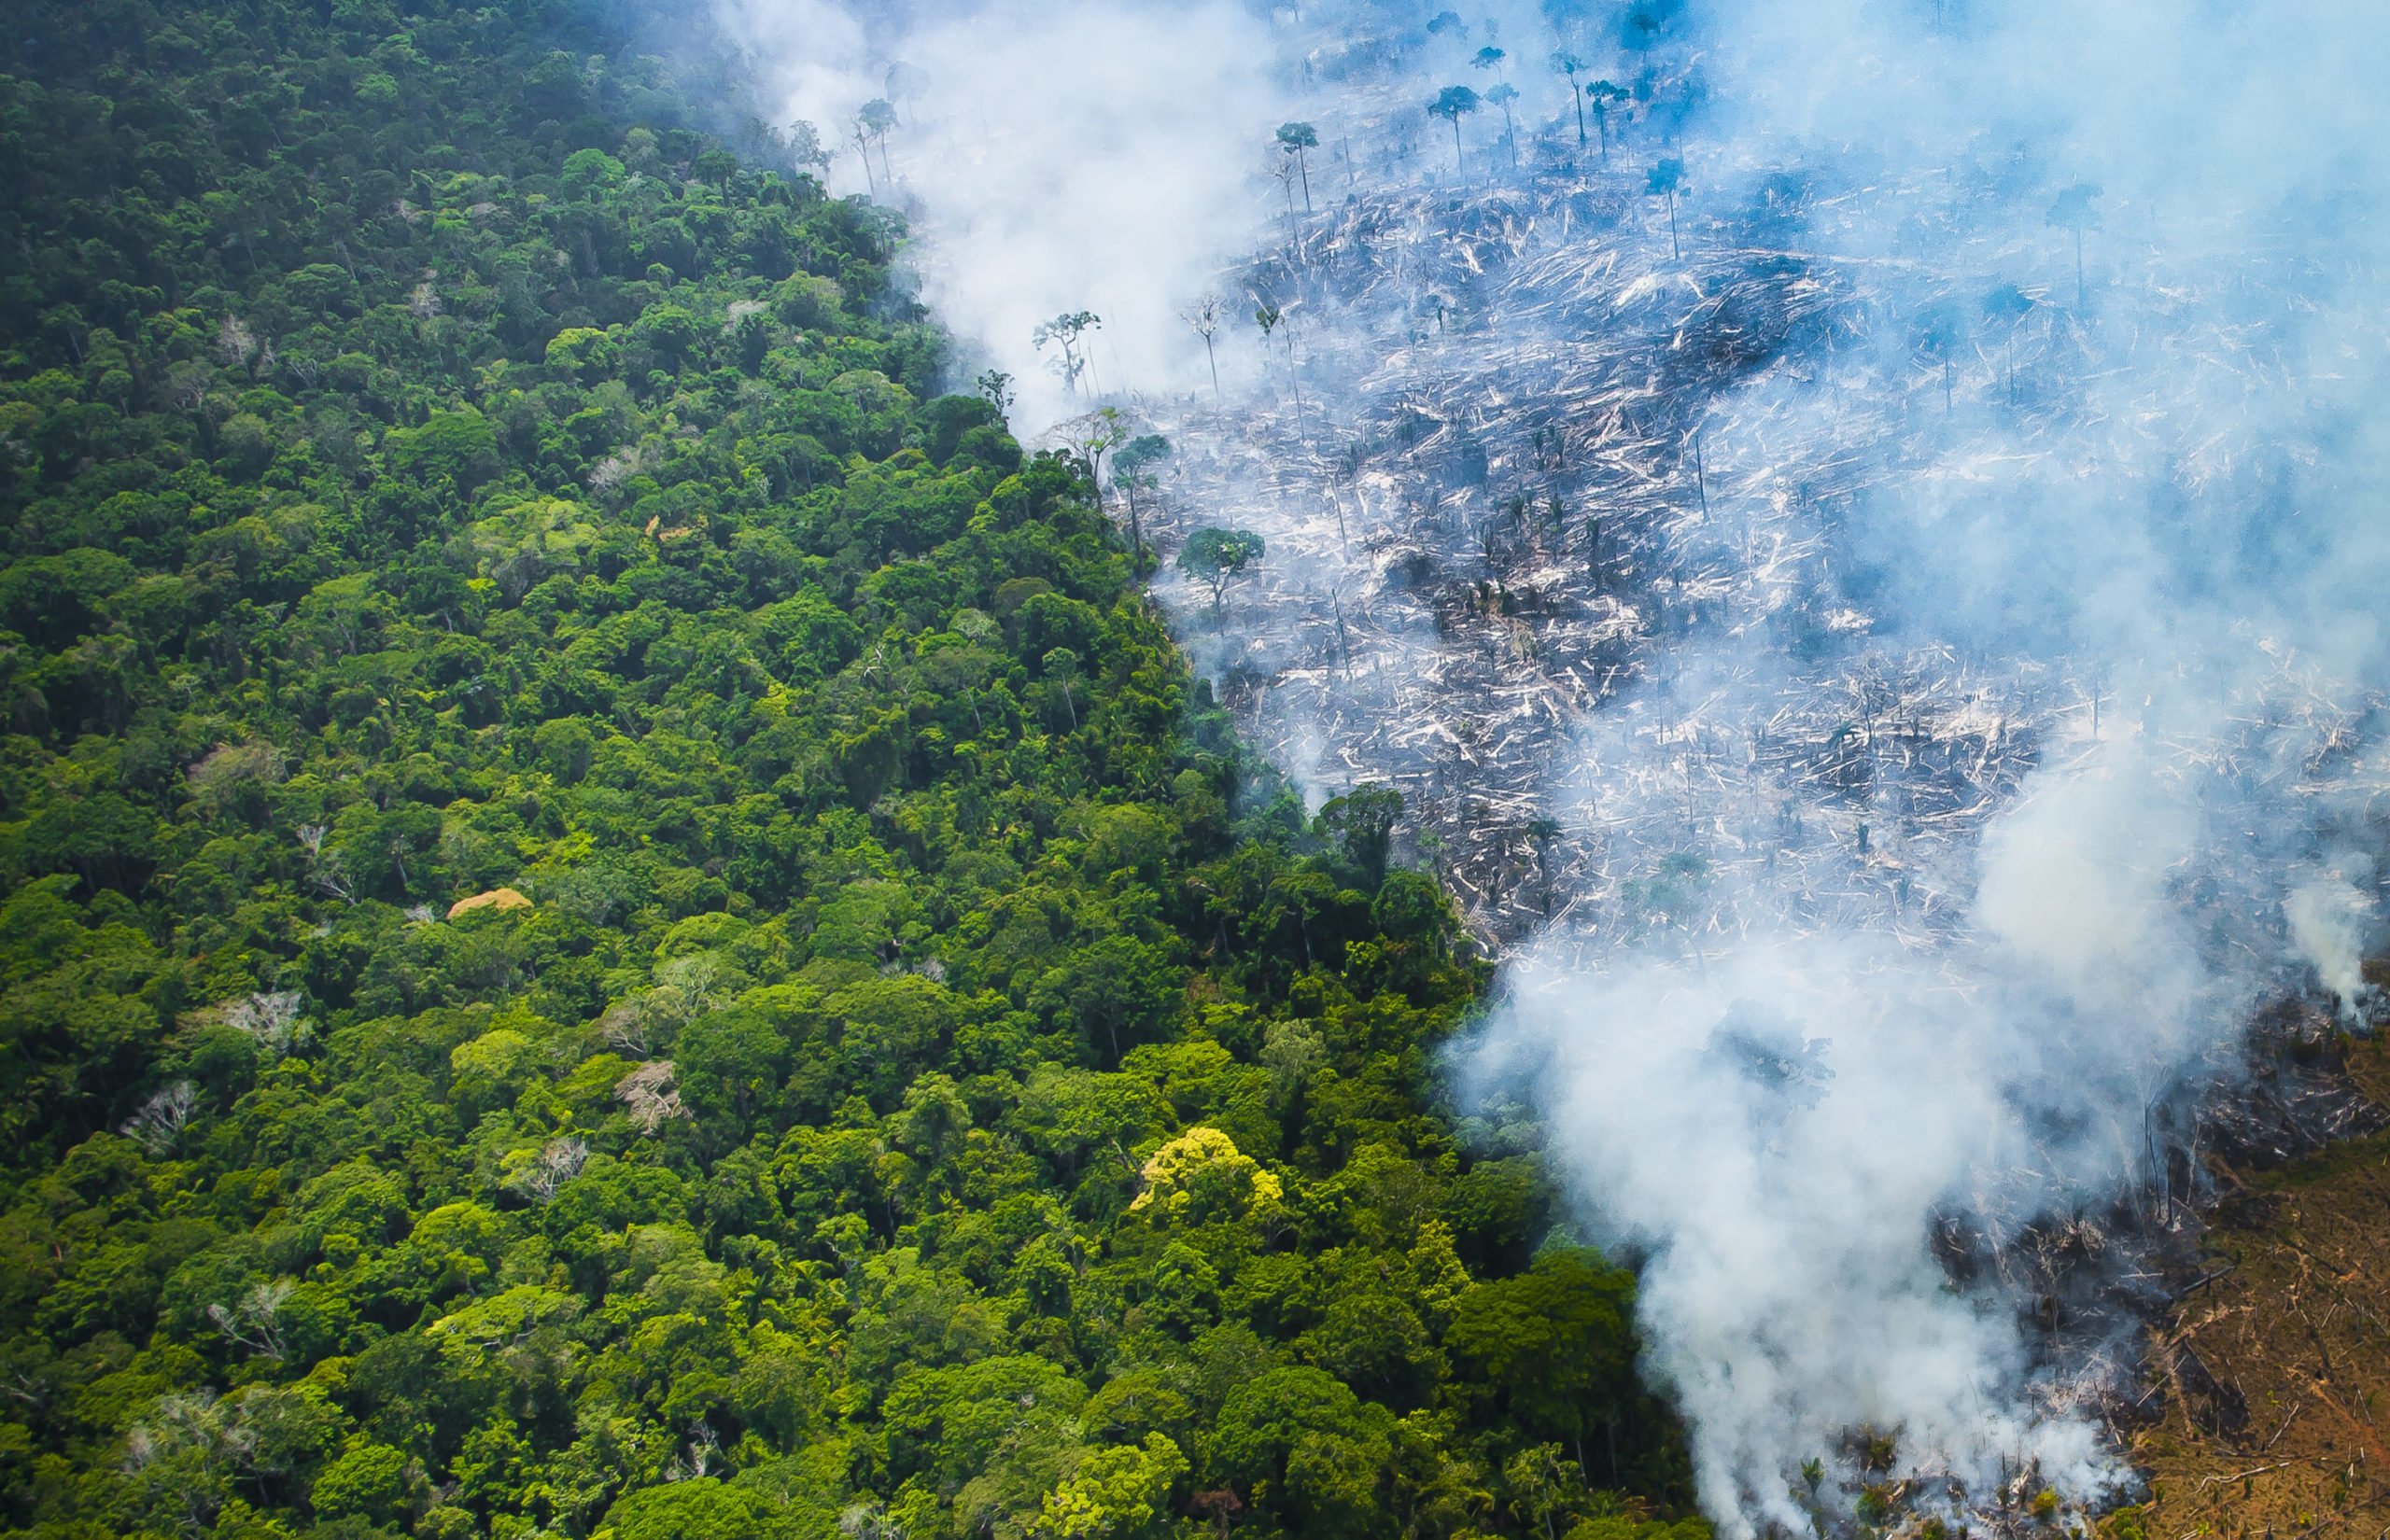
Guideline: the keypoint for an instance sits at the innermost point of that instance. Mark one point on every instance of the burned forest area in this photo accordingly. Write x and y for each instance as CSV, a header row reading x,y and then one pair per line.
x,y
1589,491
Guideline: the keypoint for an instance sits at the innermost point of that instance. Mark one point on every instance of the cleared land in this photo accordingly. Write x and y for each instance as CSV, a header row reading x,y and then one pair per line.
x,y
2276,1371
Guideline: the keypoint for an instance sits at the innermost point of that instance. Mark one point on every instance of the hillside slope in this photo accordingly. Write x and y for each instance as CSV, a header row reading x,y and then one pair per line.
x,y
619,918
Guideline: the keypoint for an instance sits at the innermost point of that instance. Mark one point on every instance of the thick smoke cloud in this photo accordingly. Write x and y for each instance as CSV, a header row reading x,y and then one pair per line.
x,y
1063,155
1868,1082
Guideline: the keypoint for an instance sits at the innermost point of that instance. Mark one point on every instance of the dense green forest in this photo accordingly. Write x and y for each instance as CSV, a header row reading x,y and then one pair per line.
x,y
619,919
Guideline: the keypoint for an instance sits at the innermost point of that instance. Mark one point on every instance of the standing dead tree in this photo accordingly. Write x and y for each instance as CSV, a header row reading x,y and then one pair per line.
x,y
1203,316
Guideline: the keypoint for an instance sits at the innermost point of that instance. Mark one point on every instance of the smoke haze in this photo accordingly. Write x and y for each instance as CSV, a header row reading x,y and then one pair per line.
x,y
1062,156
1945,674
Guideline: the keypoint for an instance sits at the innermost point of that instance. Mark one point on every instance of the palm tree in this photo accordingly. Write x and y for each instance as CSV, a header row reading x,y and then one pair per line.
x,y
1453,104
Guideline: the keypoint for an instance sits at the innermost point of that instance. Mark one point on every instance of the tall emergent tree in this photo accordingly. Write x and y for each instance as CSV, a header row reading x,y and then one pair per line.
x,y
876,117
1134,471
1604,94
1270,319
1502,96
1090,436
806,150
1217,557
1451,104
2006,307
1065,332
2072,210
1666,181
1569,64
1295,139
1204,317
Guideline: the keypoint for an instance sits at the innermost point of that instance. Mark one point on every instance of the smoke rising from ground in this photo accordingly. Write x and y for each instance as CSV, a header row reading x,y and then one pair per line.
x,y
1063,155
1949,660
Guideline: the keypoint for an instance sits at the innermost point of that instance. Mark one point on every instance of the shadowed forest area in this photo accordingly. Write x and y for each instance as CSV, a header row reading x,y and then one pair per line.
x,y
619,919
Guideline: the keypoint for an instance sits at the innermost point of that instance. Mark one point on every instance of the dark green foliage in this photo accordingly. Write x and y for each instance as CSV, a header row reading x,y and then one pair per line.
x,y
1218,557
619,919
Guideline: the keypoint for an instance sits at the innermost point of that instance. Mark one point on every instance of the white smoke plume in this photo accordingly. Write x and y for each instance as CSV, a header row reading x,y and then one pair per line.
x,y
1950,662
2332,924
1064,156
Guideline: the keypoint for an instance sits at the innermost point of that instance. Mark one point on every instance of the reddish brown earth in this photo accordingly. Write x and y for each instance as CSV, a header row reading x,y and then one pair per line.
x,y
2275,1371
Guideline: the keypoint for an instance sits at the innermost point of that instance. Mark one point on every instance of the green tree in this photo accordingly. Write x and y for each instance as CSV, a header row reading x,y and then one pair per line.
x,y
1306,1448
1297,140
712,968
1666,181
1502,95
1363,823
1553,1348
1133,471
1217,557
1451,104
1118,1493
